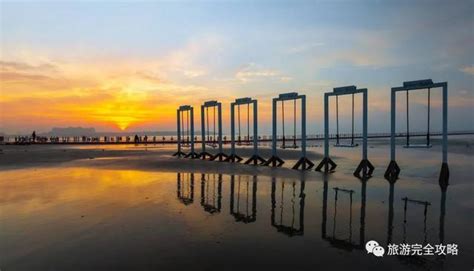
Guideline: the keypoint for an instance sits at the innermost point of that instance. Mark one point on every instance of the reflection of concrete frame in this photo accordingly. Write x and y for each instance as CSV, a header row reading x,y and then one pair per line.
x,y
233,157
276,161
205,128
405,208
187,130
211,205
417,260
348,245
247,217
365,168
289,230
185,188
393,170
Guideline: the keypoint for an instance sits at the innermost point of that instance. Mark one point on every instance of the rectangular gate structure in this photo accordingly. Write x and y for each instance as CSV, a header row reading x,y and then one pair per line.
x,y
205,122
393,170
365,168
189,111
233,157
276,161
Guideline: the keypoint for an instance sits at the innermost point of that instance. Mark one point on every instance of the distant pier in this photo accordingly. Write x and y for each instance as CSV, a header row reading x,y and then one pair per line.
x,y
116,140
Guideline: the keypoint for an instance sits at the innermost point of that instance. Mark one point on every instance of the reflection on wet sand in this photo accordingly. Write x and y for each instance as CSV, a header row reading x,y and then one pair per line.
x,y
406,200
390,213
344,244
70,215
185,191
288,208
246,216
417,260
441,258
290,229
442,214
211,192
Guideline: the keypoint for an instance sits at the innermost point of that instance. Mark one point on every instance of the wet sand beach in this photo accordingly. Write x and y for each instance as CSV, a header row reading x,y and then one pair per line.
x,y
137,207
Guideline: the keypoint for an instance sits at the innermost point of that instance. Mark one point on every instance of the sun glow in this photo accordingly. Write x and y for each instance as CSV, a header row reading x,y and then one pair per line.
x,y
107,97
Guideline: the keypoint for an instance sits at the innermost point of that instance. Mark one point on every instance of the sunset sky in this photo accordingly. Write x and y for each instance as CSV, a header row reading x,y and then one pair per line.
x,y
128,66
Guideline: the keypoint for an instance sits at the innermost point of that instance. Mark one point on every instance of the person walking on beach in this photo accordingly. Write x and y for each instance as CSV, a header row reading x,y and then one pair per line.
x,y
33,136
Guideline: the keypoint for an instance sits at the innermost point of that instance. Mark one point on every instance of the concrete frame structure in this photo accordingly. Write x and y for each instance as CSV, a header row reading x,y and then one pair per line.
x,y
181,110
365,168
220,155
276,161
233,157
393,170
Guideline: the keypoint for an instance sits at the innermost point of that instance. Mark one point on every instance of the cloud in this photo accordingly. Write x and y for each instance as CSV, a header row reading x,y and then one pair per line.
x,y
468,69
286,79
193,59
192,73
361,51
305,47
109,94
12,66
16,77
357,57
151,76
14,71
254,72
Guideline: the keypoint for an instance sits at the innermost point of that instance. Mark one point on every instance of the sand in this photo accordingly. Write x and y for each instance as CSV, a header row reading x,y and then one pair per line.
x,y
150,157
423,164
133,207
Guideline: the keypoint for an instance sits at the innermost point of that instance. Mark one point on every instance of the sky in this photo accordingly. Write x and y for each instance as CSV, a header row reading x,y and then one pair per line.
x,y
117,65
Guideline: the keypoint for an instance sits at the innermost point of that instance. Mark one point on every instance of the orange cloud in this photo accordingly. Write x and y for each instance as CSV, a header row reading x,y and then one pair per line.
x,y
106,96
468,69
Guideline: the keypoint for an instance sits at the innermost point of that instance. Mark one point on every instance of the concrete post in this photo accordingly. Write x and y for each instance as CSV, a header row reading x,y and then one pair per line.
x,y
203,130
326,125
364,125
303,125
232,129
179,130
274,127
219,113
255,128
192,130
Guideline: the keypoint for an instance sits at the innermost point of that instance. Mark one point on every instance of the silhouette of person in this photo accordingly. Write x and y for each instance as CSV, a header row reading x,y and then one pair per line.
x,y
33,135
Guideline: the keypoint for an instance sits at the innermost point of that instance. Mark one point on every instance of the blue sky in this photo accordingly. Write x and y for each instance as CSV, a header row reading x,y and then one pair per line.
x,y
229,49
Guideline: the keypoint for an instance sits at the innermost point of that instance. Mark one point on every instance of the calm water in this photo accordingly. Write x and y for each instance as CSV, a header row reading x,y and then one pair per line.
x,y
99,219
